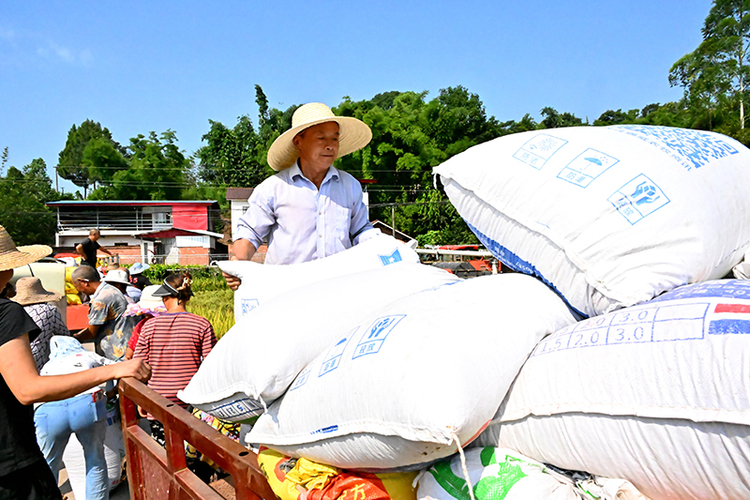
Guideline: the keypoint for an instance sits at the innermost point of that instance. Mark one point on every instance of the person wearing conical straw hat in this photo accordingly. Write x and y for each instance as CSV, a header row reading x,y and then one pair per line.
x,y
309,209
38,303
24,473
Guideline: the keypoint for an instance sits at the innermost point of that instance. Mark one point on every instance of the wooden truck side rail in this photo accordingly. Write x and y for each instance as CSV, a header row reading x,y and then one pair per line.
x,y
156,473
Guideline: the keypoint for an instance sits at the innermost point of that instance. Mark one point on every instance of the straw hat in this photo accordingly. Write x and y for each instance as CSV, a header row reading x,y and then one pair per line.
x,y
12,257
354,134
118,276
31,291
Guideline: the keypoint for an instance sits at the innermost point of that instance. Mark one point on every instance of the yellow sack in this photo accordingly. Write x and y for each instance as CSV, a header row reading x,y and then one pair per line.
x,y
287,476
73,299
70,288
311,475
68,272
274,466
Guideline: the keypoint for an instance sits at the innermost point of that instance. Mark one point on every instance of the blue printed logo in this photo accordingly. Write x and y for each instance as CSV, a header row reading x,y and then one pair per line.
x,y
638,198
538,150
333,356
374,336
248,305
586,167
301,379
390,259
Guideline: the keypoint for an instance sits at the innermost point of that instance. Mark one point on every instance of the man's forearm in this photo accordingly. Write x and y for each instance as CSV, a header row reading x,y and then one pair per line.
x,y
84,335
243,249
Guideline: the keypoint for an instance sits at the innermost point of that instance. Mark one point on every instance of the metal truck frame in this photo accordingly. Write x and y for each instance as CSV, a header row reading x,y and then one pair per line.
x,y
156,473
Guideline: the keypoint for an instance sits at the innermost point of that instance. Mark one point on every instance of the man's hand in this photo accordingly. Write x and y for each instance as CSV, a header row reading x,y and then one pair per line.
x,y
233,282
133,368
241,250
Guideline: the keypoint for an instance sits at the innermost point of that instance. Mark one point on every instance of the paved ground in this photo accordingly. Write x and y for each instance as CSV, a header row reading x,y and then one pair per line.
x,y
121,491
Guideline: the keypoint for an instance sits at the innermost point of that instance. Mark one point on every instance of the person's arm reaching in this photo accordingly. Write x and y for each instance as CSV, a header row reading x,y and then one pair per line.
x,y
19,372
242,250
87,333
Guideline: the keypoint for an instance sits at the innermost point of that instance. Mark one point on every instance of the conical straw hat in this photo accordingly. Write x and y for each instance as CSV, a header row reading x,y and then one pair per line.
x,y
354,134
12,257
31,291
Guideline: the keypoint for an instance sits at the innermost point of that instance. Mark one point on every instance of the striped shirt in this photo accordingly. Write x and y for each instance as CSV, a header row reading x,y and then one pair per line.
x,y
174,345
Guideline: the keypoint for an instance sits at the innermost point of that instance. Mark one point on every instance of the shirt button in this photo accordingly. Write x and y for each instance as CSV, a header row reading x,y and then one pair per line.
x,y
320,236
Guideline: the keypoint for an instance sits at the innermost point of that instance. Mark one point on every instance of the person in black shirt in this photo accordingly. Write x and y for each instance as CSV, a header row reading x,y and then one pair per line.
x,y
88,247
24,473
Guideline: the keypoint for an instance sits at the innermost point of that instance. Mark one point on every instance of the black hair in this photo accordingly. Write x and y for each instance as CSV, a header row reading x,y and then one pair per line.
x,y
181,283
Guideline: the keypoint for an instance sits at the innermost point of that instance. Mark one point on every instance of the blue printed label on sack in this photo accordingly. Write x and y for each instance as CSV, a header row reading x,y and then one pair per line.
x,y
586,167
334,354
301,379
735,289
691,148
638,198
326,430
538,150
248,305
643,325
374,336
677,322
390,259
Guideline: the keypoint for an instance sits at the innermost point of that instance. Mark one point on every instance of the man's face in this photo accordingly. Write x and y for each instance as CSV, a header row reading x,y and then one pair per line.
x,y
84,286
319,144
95,237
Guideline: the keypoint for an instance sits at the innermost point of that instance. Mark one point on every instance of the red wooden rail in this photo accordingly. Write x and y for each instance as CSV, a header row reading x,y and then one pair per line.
x,y
155,473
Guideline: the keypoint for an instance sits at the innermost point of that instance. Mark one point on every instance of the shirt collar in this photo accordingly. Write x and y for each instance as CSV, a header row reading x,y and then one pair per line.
x,y
296,171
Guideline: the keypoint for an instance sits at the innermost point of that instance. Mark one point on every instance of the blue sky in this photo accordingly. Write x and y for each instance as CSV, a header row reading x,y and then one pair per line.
x,y
142,66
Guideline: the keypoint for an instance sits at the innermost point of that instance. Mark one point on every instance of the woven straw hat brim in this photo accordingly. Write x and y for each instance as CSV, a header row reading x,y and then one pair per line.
x,y
28,297
20,256
354,134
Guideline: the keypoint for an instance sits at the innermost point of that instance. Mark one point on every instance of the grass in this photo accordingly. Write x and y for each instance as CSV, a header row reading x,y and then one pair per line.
x,y
217,306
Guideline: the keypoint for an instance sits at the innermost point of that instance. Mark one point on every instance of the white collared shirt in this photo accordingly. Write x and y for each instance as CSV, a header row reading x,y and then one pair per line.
x,y
300,222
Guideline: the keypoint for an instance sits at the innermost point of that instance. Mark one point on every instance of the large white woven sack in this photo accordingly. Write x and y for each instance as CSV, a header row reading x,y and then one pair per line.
x,y
75,462
261,283
658,394
258,358
608,216
410,382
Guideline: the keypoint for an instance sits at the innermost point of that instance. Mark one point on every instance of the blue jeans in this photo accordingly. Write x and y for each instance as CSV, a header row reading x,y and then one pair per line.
x,y
56,420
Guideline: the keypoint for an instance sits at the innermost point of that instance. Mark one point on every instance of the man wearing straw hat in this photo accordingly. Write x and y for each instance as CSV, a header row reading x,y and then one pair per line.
x,y
309,209
24,473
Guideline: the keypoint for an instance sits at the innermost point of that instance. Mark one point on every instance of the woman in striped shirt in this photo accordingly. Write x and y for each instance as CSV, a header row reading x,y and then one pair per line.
x,y
174,343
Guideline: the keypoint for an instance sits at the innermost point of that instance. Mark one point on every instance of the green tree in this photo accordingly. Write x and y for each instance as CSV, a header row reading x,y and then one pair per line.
x,y
230,157
70,160
102,159
553,119
611,117
23,194
158,171
715,75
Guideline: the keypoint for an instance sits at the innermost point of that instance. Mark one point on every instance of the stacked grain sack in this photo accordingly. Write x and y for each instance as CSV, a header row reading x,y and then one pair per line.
x,y
415,380
71,292
656,393
261,283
